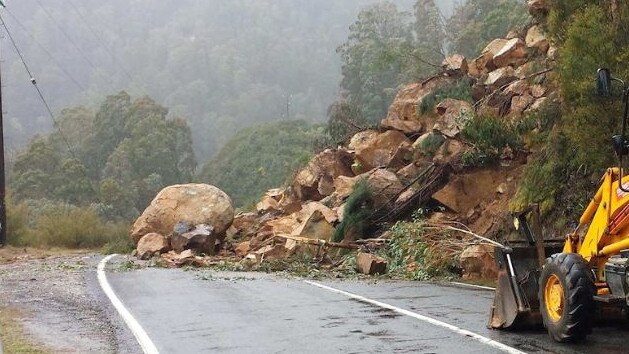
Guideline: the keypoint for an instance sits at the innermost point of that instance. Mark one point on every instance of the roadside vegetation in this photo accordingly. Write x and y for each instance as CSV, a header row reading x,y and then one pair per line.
x,y
489,136
418,252
14,338
261,157
47,224
460,90
575,151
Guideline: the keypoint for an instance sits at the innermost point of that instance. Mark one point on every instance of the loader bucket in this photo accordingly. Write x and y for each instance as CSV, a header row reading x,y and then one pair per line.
x,y
516,303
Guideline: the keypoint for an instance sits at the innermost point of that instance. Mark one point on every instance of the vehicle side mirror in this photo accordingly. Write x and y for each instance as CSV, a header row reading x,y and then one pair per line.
x,y
603,83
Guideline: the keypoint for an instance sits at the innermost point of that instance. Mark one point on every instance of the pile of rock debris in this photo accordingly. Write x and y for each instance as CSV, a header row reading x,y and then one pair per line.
x,y
508,80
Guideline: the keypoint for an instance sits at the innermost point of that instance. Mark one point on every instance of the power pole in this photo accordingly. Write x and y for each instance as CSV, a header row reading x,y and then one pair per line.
x,y
3,209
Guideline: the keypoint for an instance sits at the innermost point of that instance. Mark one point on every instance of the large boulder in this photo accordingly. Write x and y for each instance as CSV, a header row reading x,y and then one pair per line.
x,y
152,244
484,63
455,64
403,114
314,181
453,115
383,150
535,38
192,203
384,186
478,261
513,53
501,77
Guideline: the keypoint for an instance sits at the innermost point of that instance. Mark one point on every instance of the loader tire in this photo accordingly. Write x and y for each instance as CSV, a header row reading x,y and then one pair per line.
x,y
566,295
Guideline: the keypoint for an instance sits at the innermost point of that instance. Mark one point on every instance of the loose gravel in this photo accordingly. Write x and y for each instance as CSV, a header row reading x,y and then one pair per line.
x,y
60,302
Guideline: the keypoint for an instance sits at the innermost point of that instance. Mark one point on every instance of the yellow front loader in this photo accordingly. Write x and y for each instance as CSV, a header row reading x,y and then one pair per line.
x,y
558,283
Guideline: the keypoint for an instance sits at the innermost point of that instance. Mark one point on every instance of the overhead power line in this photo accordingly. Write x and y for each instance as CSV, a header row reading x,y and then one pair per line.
x,y
50,56
34,82
101,41
73,43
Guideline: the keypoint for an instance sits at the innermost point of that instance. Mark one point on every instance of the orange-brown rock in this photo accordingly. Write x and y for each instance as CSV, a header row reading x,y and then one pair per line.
x,y
520,103
538,91
403,114
535,38
538,104
311,207
345,185
455,64
242,249
370,264
384,186
411,171
450,152
192,203
513,53
244,221
267,204
478,261
270,252
453,115
500,77
518,87
327,164
152,244
284,225
316,226
485,62
382,150
361,139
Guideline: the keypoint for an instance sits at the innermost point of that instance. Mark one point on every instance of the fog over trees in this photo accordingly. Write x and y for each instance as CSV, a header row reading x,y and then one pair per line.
x,y
221,65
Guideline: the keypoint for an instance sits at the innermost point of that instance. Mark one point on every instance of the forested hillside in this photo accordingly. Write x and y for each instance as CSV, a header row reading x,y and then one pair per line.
x,y
144,92
222,65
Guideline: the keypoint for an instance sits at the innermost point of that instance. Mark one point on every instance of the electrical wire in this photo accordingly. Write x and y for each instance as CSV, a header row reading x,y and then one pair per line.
x,y
39,92
73,43
50,56
101,41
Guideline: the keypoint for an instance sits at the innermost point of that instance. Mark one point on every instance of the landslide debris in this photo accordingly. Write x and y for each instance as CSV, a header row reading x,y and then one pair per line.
x,y
452,146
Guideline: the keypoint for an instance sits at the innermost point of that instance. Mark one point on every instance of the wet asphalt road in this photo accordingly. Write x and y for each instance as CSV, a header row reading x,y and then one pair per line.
x,y
207,312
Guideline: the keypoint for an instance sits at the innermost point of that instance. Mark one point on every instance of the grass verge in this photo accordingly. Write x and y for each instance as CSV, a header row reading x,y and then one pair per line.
x,y
14,339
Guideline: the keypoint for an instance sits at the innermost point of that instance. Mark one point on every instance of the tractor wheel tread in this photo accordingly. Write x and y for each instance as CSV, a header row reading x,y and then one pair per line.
x,y
578,286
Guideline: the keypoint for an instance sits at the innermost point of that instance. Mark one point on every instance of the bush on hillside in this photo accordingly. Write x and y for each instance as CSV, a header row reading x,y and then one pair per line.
x,y
261,157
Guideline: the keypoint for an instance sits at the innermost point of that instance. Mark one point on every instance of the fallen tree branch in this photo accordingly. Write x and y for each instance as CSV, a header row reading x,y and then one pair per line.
x,y
467,232
319,242
503,87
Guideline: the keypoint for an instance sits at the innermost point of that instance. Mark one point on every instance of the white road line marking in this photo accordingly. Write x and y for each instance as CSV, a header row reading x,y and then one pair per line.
x,y
473,286
505,348
140,335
